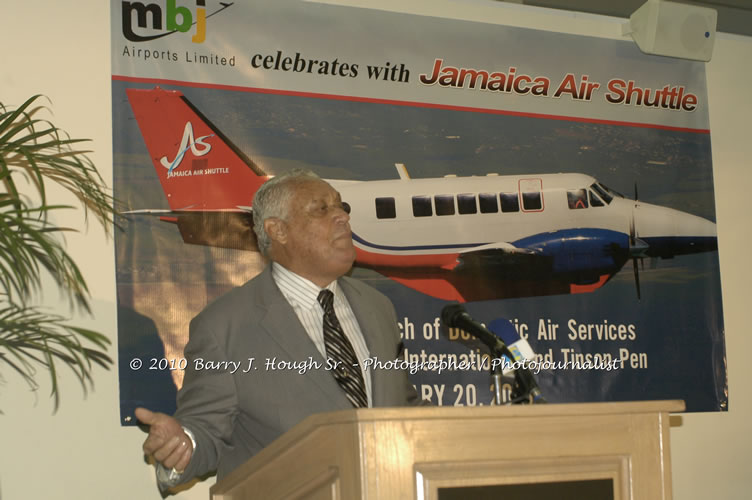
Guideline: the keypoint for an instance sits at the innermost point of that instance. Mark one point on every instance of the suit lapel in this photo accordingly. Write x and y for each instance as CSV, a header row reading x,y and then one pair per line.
x,y
371,326
282,326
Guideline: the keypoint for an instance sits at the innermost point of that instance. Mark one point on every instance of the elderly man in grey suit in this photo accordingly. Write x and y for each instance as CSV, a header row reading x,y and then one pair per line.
x,y
283,332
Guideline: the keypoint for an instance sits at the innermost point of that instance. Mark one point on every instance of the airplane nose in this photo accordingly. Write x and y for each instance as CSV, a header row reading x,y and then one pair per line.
x,y
670,232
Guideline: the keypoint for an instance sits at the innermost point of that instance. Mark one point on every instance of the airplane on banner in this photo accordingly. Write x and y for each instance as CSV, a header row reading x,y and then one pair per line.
x,y
453,238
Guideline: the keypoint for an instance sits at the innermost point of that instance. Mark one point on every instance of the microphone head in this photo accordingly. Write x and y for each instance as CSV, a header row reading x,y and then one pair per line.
x,y
450,313
505,330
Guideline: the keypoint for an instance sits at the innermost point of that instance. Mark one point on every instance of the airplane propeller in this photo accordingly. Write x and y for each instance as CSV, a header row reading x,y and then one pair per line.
x,y
637,247
632,244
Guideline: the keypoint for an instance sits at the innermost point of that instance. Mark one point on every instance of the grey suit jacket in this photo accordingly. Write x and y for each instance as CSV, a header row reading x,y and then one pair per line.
x,y
234,415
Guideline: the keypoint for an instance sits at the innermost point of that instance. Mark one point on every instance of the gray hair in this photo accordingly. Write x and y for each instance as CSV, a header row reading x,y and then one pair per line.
x,y
273,200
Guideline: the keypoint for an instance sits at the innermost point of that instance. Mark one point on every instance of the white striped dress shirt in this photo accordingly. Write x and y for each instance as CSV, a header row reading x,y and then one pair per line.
x,y
302,294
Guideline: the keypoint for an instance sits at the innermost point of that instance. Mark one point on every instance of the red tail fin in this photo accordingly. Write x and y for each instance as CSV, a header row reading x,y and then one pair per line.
x,y
198,167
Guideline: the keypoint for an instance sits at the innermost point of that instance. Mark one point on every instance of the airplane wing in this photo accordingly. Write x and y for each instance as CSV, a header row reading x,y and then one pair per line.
x,y
504,258
219,228
512,269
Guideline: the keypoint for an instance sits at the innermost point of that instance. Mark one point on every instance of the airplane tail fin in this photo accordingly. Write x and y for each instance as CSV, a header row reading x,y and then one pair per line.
x,y
198,167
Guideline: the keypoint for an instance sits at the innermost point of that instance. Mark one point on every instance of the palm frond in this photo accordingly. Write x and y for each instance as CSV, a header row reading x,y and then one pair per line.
x,y
42,152
31,338
28,245
34,153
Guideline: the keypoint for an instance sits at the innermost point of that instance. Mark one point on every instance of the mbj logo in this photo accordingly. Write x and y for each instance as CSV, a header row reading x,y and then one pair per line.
x,y
198,147
177,19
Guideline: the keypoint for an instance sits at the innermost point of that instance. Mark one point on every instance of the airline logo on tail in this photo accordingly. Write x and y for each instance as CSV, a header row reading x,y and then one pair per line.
x,y
198,168
197,146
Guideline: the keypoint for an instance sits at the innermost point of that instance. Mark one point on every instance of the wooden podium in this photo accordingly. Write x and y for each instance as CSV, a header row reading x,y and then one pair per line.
x,y
430,452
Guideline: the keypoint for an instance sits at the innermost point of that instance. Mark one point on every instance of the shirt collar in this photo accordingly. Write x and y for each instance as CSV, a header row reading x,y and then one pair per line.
x,y
297,289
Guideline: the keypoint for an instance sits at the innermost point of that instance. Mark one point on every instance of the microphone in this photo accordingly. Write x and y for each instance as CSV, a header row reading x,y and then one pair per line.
x,y
455,316
521,351
519,347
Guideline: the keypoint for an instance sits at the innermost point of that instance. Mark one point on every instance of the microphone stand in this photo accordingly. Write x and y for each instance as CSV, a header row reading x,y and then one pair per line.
x,y
502,389
520,390
496,376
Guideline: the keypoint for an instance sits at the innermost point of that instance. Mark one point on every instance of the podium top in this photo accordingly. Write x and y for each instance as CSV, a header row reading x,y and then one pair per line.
x,y
495,412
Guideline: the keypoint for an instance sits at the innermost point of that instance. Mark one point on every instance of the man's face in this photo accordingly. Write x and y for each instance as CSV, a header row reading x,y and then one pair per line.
x,y
317,241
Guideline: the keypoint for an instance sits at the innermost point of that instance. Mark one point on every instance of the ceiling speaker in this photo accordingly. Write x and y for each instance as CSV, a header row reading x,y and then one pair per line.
x,y
673,29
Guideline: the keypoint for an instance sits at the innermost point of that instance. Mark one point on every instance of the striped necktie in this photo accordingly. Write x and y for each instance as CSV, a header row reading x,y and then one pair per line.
x,y
339,349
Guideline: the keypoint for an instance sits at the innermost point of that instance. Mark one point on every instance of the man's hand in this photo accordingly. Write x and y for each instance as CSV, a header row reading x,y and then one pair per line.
x,y
167,442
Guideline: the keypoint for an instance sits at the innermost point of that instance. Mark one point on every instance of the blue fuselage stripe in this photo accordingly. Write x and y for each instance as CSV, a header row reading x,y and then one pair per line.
x,y
375,246
527,242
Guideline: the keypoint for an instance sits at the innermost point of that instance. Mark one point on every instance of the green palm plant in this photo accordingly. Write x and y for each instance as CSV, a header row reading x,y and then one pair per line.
x,y
33,154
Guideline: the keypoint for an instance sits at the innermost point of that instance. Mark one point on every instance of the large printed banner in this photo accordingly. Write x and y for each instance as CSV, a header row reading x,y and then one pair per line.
x,y
561,182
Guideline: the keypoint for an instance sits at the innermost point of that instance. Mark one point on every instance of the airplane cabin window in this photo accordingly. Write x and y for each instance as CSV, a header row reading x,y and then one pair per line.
x,y
532,201
488,203
603,194
346,207
577,198
509,202
595,201
422,206
444,204
466,204
384,208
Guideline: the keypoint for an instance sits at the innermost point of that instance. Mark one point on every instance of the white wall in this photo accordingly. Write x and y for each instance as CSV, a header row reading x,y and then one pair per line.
x,y
61,49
